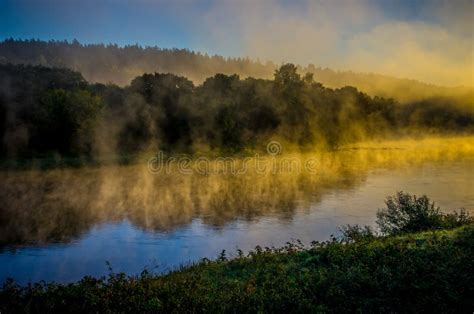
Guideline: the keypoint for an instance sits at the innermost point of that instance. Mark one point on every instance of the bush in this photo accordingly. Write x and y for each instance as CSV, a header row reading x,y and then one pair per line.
x,y
352,233
406,213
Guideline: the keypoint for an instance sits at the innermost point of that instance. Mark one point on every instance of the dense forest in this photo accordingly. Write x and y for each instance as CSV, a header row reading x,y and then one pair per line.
x,y
56,112
101,63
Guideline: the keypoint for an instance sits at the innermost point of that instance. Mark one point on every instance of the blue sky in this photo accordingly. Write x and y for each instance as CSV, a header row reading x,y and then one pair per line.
x,y
162,23
426,40
105,21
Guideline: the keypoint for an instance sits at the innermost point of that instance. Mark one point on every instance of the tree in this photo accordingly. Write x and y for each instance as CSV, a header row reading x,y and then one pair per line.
x,y
64,122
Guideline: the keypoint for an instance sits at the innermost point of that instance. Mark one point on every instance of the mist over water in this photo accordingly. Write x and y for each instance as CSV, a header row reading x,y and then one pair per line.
x,y
236,156
63,224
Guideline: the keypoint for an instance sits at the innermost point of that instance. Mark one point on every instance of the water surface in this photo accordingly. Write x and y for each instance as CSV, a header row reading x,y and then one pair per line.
x,y
61,225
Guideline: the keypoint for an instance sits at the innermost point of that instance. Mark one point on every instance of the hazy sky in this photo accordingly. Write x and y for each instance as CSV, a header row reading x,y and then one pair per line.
x,y
427,40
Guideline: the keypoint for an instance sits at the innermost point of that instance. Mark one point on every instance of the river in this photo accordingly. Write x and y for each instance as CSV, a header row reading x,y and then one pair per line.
x,y
63,224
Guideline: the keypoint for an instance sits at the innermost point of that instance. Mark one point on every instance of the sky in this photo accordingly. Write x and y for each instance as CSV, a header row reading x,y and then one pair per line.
x,y
431,41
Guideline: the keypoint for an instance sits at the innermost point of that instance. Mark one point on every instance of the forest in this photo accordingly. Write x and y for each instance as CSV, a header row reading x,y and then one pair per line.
x,y
56,112
110,63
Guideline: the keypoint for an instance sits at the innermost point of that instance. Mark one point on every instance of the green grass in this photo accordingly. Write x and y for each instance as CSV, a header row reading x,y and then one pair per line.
x,y
420,272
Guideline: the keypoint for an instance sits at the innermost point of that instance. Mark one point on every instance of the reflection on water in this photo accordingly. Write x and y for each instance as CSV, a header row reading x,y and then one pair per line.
x,y
65,223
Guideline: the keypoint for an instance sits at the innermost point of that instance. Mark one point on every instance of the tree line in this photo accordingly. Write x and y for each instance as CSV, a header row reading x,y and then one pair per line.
x,y
55,111
119,65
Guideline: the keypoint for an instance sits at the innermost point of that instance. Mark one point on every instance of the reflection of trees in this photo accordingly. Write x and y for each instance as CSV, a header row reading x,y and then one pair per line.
x,y
60,205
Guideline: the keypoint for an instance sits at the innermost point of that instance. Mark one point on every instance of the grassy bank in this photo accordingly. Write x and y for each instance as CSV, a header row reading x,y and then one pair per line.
x,y
416,272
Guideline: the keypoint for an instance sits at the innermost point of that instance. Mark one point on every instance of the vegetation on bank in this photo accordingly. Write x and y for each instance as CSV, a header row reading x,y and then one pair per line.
x,y
414,267
53,113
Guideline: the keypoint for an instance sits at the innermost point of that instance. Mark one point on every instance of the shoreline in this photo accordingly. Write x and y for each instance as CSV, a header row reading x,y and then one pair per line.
x,y
401,273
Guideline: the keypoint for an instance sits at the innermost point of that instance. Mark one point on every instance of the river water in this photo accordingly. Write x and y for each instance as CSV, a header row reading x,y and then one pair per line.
x,y
61,225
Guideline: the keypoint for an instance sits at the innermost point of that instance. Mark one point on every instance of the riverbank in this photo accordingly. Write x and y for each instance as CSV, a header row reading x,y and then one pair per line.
x,y
421,148
418,272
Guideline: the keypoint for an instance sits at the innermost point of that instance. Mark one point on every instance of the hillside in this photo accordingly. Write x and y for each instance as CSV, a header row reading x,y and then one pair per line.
x,y
119,65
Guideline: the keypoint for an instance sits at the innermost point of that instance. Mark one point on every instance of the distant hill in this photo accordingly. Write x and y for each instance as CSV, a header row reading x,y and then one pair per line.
x,y
119,65
404,90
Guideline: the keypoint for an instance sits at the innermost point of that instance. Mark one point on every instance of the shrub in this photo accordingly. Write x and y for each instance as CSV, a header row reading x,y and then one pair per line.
x,y
352,233
407,213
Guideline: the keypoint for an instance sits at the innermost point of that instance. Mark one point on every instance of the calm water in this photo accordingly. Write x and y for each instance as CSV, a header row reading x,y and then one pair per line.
x,y
65,224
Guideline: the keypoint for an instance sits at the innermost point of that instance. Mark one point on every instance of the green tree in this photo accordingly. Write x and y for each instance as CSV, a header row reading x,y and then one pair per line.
x,y
65,121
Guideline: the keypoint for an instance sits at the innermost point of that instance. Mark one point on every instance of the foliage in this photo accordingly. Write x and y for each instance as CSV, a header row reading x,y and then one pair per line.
x,y
351,233
70,114
46,112
407,213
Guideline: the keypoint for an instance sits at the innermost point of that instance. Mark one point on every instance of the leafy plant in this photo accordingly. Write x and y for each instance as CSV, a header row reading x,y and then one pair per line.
x,y
408,213
351,233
